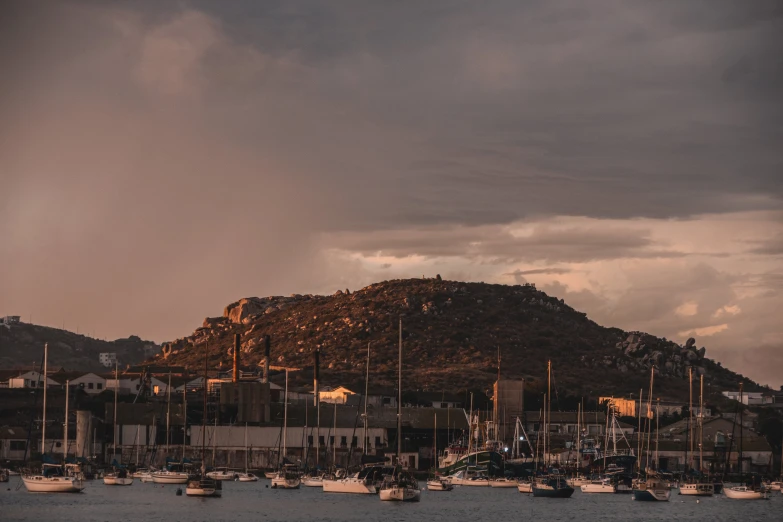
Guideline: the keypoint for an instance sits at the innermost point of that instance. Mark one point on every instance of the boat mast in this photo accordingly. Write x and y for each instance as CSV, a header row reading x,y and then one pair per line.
x,y
204,416
168,412
214,443
399,399
639,434
649,412
657,429
741,409
43,426
65,430
246,446
435,442
334,438
317,401
690,418
116,381
366,391
185,417
285,416
548,406
701,423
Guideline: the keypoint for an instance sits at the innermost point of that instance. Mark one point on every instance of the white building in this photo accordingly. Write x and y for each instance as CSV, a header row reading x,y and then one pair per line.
x,y
31,379
750,398
108,359
337,395
89,382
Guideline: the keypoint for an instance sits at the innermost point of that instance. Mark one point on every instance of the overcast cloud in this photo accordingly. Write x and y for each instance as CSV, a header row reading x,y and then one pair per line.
x,y
159,160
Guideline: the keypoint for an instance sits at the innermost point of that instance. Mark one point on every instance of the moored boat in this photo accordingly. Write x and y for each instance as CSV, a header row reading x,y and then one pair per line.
x,y
525,487
401,487
651,489
120,477
697,489
503,483
311,481
599,486
52,479
745,493
203,486
553,486
287,478
439,484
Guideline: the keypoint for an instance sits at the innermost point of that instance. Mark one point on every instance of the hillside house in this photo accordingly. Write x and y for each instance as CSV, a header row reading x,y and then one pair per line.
x,y
108,359
31,379
750,398
87,382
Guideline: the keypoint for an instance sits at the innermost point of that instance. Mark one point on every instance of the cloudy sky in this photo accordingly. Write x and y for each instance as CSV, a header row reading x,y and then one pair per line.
x,y
159,160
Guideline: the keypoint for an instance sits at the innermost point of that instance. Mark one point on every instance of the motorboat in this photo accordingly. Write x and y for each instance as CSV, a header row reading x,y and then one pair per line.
x,y
245,476
120,477
174,474
439,484
222,474
553,486
525,487
313,481
503,483
774,486
287,478
745,493
401,487
466,477
651,489
366,482
270,474
697,489
53,480
203,486
599,486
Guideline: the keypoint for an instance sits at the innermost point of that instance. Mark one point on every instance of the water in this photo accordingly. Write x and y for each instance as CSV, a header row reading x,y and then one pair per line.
x,y
255,501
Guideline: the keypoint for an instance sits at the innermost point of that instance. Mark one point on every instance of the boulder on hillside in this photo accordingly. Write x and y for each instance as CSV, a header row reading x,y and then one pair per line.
x,y
236,312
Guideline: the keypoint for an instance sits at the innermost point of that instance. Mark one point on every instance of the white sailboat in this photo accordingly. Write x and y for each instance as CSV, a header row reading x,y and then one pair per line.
x,y
437,483
744,493
288,476
696,488
118,477
202,485
599,486
246,476
52,478
402,486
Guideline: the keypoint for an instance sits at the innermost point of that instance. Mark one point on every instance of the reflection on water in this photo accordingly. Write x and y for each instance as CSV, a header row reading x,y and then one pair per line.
x,y
255,501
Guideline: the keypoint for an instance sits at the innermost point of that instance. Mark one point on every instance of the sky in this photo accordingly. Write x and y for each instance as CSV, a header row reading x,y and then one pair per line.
x,y
159,160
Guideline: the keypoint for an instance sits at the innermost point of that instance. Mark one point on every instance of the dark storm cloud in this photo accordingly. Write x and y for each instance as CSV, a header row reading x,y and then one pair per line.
x,y
168,158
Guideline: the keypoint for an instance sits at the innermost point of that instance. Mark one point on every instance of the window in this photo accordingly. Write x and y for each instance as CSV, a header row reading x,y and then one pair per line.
x,y
387,400
137,387
321,440
571,428
444,404
18,445
100,386
32,384
343,441
89,385
309,440
377,441
331,440
156,389
355,442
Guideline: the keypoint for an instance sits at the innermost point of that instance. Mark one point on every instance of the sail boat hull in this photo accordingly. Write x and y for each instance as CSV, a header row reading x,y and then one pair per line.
x,y
41,484
400,494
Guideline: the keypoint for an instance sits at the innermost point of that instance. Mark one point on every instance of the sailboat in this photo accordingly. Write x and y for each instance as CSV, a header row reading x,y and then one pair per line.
x,y
438,483
651,488
696,488
246,476
174,473
119,477
402,486
755,491
288,476
53,478
202,485
554,485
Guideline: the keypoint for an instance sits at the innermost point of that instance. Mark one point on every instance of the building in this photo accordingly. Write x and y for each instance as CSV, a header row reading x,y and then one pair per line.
x,y
566,422
31,379
87,382
508,403
630,407
13,443
751,398
108,359
8,320
721,442
337,395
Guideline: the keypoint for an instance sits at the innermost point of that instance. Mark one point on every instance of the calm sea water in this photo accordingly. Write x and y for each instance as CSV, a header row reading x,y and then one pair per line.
x,y
255,501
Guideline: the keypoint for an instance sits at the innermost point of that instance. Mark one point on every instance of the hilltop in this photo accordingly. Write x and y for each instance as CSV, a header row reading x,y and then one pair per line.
x,y
452,332
22,345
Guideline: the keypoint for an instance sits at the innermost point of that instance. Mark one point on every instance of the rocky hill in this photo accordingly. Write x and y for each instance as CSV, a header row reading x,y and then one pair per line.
x,y
22,344
452,332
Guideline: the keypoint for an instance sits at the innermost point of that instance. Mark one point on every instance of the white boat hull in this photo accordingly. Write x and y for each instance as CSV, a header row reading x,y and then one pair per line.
x,y
525,487
270,474
577,482
349,485
284,483
597,488
742,493
503,484
246,477
220,475
313,482
400,494
439,485
117,481
41,484
170,478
